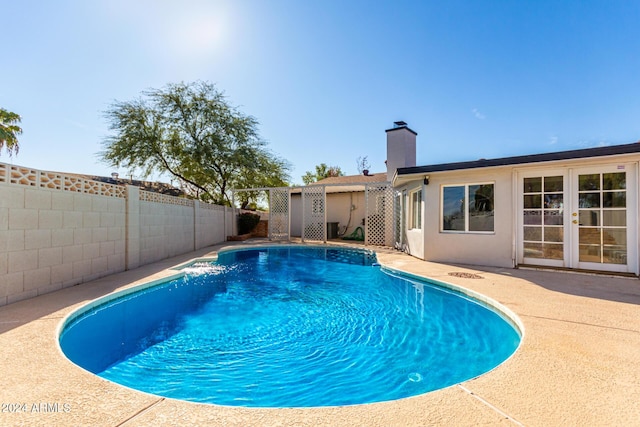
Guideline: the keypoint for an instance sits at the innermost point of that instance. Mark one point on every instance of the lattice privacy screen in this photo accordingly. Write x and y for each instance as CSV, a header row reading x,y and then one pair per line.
x,y
313,213
379,224
279,206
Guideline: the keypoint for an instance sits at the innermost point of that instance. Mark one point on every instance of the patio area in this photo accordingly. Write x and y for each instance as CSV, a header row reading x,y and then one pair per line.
x,y
578,364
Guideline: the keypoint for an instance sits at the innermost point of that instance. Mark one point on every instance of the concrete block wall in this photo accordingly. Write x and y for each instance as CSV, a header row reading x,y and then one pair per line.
x,y
52,239
230,222
210,223
166,229
61,230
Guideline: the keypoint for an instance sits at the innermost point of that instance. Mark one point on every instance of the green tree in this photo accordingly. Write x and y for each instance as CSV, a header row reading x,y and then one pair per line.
x,y
9,131
322,171
190,131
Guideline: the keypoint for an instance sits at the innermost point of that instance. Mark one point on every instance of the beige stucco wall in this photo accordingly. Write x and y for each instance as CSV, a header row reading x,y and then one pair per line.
x,y
340,205
500,247
414,238
338,209
495,249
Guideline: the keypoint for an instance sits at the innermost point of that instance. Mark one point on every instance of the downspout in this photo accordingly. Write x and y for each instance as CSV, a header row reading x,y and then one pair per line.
x,y
637,226
514,226
423,216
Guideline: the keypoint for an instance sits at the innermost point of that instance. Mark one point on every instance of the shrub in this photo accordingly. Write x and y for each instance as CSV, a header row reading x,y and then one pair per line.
x,y
247,221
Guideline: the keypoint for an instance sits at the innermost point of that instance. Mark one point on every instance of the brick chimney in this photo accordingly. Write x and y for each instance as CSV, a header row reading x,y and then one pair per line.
x,y
401,148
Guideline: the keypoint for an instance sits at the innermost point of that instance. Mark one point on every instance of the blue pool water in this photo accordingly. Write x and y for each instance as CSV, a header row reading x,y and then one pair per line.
x,y
289,327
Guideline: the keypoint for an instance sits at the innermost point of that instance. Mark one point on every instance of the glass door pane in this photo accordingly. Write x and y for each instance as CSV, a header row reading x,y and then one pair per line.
x,y
543,218
602,213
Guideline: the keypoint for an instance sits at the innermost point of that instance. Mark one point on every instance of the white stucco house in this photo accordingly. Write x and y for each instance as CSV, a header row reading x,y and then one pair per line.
x,y
572,209
575,210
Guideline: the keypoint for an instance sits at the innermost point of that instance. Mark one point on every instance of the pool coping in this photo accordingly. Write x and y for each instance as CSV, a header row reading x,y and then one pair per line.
x,y
507,314
577,363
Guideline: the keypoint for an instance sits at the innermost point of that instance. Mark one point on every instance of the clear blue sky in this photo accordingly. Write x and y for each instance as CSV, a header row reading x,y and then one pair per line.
x,y
474,79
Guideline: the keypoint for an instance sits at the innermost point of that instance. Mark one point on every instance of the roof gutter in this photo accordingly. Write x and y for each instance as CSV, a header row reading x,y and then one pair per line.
x,y
617,150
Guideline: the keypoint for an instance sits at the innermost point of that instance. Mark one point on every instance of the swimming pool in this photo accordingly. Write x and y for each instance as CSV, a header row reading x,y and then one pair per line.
x,y
289,326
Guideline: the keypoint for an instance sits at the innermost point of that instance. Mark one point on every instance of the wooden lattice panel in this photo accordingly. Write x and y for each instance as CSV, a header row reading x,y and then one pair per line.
x,y
3,172
313,213
380,212
279,202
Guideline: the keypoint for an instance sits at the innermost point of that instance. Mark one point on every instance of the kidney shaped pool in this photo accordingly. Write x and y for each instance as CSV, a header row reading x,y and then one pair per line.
x,y
289,326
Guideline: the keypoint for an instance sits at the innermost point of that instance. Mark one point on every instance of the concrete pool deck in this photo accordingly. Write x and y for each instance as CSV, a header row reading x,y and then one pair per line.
x,y
578,364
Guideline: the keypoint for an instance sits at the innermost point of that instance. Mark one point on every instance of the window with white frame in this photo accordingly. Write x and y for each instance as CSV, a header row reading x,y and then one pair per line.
x,y
468,208
415,206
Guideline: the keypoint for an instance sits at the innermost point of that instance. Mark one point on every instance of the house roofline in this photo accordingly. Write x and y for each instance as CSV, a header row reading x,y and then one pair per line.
x,y
519,160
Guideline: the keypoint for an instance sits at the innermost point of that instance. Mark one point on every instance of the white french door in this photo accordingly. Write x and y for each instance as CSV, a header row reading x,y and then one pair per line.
x,y
582,218
604,218
543,219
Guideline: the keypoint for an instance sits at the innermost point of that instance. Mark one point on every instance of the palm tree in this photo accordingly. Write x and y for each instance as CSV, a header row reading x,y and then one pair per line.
x,y
9,131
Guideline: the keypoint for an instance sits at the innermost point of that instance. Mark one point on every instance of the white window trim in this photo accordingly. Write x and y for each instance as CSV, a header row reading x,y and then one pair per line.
x,y
412,213
466,186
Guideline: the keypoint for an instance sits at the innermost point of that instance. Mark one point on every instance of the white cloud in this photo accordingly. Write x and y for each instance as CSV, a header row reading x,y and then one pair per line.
x,y
478,114
553,140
